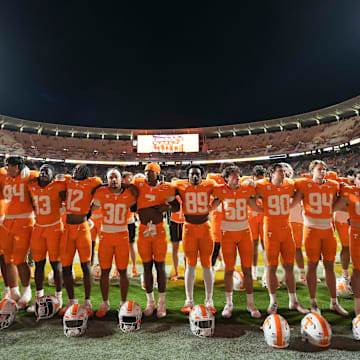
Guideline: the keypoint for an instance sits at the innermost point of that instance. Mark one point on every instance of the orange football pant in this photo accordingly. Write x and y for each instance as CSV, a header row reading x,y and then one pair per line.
x,y
75,237
297,230
279,241
46,240
114,244
343,232
95,230
216,219
319,241
256,224
15,239
197,239
152,247
355,247
241,240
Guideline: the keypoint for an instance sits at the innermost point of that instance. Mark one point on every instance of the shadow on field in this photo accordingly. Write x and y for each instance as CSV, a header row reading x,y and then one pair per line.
x,y
230,331
99,329
337,342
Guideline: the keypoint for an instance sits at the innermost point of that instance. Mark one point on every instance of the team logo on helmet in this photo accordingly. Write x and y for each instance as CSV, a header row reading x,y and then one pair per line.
x,y
276,331
316,330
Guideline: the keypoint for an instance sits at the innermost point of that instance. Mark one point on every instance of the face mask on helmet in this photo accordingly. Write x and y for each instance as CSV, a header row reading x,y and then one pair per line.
x,y
276,331
316,330
8,311
202,321
46,307
75,320
130,316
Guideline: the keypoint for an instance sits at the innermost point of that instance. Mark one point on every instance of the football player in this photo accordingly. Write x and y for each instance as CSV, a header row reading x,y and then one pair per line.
x,y
46,235
256,223
318,196
275,193
76,236
350,200
235,198
127,178
95,228
197,238
215,220
17,227
114,202
176,231
155,197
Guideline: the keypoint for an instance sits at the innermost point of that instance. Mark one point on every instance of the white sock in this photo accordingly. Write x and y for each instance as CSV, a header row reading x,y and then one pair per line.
x,y
357,306
58,294
229,297
273,299
209,283
189,281
39,293
313,302
25,290
161,297
87,302
7,290
150,297
122,303
292,298
334,301
106,302
250,299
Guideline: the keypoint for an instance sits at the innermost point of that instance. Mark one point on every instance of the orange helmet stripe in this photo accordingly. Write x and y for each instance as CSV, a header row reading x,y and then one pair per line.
x,y
130,305
75,308
278,330
2,303
324,327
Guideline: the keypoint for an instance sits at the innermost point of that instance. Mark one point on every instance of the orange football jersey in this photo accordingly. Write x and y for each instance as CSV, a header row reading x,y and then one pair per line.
x,y
79,194
16,195
196,199
217,213
318,199
2,200
234,203
276,199
353,195
114,207
47,201
153,195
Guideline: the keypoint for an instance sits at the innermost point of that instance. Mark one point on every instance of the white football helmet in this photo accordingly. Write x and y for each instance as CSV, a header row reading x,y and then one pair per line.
x,y
356,327
343,288
130,314
264,282
202,321
96,272
276,331
8,311
142,279
75,320
316,330
238,281
46,306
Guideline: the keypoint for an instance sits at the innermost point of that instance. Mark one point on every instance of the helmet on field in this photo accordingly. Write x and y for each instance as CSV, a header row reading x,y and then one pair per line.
x,y
238,281
202,321
96,272
130,316
356,327
264,281
46,306
75,320
343,288
276,331
142,279
8,311
316,330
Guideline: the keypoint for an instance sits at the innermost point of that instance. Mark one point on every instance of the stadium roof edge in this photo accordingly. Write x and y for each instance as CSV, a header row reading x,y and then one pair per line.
x,y
343,109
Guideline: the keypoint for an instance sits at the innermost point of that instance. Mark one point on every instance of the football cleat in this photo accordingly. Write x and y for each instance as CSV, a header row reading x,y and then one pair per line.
x,y
227,312
276,331
150,307
46,306
25,299
298,307
75,320
134,272
272,309
210,305
8,309
187,307
161,310
316,330
175,276
254,312
315,309
202,321
103,309
339,309
130,316
238,281
87,305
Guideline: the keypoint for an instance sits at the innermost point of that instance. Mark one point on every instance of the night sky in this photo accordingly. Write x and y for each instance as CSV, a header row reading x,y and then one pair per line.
x,y
154,64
